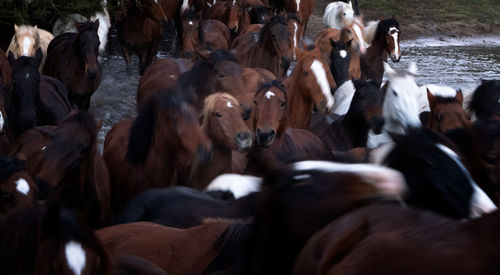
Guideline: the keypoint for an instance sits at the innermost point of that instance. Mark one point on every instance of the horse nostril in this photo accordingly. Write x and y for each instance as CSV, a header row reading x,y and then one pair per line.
x,y
246,113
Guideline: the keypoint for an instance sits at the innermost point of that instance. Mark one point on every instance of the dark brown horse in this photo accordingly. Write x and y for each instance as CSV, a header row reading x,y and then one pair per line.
x,y
485,102
269,49
277,143
72,58
140,30
222,121
232,12
161,74
17,189
51,241
351,130
311,84
33,99
159,147
447,112
388,239
384,36
303,8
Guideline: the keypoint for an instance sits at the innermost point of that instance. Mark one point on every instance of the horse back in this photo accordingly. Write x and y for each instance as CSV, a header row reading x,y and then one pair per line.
x,y
54,99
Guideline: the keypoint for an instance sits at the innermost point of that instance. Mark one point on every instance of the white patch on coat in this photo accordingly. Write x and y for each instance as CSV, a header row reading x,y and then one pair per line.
x,y
441,91
239,185
343,97
2,122
295,28
190,23
269,94
229,104
26,46
360,36
320,74
75,256
343,53
185,4
298,5
22,186
395,35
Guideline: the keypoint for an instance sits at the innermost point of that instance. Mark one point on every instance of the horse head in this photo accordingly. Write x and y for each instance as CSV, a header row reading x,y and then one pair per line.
x,y
27,40
89,46
447,112
355,31
340,60
295,28
276,32
190,32
367,102
390,29
22,101
270,113
235,8
223,122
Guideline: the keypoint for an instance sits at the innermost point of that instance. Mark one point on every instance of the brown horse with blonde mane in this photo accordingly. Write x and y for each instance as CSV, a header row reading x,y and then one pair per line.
x,y
310,85
158,148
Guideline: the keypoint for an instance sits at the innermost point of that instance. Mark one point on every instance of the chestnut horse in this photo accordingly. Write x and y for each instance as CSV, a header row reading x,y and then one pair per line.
x,y
159,147
161,74
311,84
447,112
140,30
353,31
485,101
51,241
277,143
33,99
388,239
17,189
233,13
72,58
222,121
383,35
269,49
27,40
351,130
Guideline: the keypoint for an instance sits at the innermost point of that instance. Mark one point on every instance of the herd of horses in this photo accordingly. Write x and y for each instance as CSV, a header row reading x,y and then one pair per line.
x,y
251,152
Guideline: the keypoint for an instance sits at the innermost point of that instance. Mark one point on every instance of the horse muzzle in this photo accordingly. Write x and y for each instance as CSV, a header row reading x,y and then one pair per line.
x,y
234,30
265,139
285,62
377,123
395,58
91,73
243,142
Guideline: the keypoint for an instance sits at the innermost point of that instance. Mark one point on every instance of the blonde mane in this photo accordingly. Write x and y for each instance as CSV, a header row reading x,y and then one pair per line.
x,y
209,105
371,30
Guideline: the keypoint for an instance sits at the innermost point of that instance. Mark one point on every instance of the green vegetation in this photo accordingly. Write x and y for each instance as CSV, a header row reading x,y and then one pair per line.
x,y
485,11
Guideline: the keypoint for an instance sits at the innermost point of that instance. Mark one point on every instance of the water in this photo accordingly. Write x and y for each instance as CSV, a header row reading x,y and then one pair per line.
x,y
458,63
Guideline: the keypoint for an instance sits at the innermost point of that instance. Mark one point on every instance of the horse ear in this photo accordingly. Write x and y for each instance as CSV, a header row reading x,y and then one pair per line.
x,y
333,43
11,58
16,27
35,28
431,98
96,23
459,97
39,56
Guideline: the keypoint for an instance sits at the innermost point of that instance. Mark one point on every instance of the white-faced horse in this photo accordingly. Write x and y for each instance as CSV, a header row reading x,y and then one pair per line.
x,y
337,13
27,40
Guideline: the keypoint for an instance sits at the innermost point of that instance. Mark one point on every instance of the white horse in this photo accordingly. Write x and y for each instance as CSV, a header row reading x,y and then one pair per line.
x,y
67,24
337,13
401,107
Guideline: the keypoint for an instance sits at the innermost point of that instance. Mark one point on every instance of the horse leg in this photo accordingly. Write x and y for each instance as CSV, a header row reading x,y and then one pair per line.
x,y
126,54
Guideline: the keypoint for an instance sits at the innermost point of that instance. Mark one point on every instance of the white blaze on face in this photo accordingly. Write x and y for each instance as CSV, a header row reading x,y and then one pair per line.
x,y
295,28
298,4
229,104
22,186
2,122
234,2
269,94
362,44
75,256
394,32
185,4
26,46
190,23
320,74
156,1
343,53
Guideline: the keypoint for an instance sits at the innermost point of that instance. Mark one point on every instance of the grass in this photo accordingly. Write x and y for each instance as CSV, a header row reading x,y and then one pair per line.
x,y
486,11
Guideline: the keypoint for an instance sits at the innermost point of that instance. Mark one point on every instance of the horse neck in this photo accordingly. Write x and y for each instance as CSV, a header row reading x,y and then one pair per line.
x,y
354,65
372,64
299,107
356,128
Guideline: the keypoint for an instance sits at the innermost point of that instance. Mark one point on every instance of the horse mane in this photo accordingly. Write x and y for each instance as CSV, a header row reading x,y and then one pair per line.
x,y
277,19
273,83
143,126
234,245
209,105
371,30
484,99
9,166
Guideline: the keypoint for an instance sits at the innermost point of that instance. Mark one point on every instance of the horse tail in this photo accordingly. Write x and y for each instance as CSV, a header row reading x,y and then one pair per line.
x,y
234,246
142,131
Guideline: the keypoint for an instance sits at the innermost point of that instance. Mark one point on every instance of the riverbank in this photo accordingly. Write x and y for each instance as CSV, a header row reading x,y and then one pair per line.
x,y
426,18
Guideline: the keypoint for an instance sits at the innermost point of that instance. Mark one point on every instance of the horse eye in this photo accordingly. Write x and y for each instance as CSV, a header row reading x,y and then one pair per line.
x,y
217,114
255,102
394,93
492,160
439,117
221,75
344,14
282,104
306,73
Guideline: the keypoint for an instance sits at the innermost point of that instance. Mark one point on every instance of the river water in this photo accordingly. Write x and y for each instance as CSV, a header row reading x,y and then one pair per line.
x,y
456,62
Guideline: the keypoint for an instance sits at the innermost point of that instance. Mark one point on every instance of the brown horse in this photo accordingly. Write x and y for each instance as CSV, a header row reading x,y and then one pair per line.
x,y
33,99
277,143
159,147
140,30
214,35
311,84
353,31
161,74
222,121
303,8
233,13
384,36
269,49
72,58
191,25
176,251
51,241
17,189
5,70
447,112
388,239
27,40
